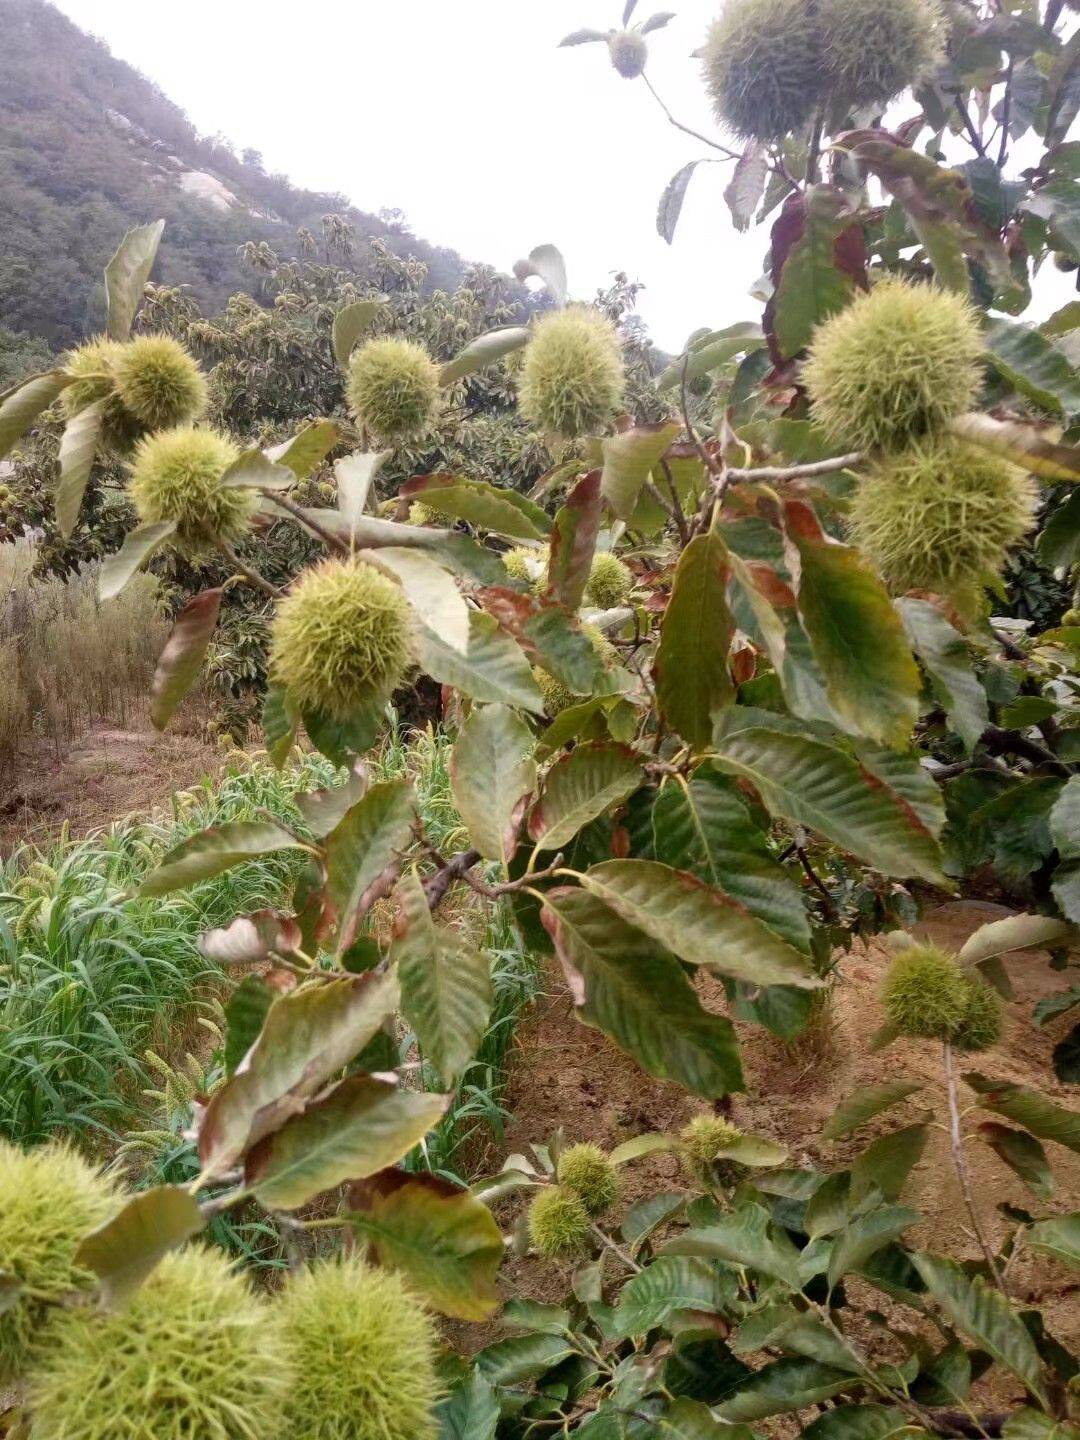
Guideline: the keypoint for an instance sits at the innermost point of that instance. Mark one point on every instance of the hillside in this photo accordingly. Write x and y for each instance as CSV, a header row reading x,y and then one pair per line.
x,y
89,147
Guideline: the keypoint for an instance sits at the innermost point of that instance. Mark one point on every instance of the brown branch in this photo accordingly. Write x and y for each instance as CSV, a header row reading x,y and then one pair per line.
x,y
251,576
798,472
714,144
676,503
1009,742
333,541
956,1141
973,134
436,886
1006,106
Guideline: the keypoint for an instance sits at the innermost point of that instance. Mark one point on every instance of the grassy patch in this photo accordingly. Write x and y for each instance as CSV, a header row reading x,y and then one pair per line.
x,y
90,977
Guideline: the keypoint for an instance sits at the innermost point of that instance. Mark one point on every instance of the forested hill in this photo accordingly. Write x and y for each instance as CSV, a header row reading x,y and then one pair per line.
x,y
90,147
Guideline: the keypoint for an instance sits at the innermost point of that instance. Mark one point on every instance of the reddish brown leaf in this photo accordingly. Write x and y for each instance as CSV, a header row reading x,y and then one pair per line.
x,y
183,654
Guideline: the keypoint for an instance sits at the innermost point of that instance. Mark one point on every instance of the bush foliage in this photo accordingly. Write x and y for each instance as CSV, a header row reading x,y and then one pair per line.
x,y
775,741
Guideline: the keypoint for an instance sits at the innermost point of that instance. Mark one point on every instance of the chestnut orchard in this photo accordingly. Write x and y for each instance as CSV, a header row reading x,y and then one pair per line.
x,y
727,690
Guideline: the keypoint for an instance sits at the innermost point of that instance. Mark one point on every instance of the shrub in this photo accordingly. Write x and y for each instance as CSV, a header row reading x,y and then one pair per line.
x,y
895,364
364,1355
49,1200
572,380
176,475
191,1353
341,638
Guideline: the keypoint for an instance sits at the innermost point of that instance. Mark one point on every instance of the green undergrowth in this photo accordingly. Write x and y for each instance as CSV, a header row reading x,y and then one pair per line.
x,y
90,976
110,1021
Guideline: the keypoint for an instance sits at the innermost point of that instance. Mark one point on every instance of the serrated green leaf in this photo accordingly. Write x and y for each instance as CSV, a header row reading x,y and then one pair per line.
x,y
887,1162
703,825
855,634
1033,366
78,446
245,1014
21,405
279,721
985,1316
492,773
1029,1108
470,1411
446,991
523,1357
124,1251
485,350
354,477
635,991
1059,1237
1022,444
1022,1153
350,322
944,655
139,544
490,507
444,1241
1016,932
307,449
126,275
864,1236
670,1284
671,199
699,923
309,1036
368,839
783,1386
1028,1424
573,542
629,459
692,676
816,279
211,851
864,1104
746,1238
579,787
362,1126
711,350
493,667
430,589
808,782
860,1422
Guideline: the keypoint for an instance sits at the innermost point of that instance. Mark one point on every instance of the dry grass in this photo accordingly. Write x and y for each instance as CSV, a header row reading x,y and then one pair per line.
x,y
69,661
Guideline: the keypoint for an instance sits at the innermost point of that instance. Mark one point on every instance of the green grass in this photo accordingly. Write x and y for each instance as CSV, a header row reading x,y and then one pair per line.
x,y
89,977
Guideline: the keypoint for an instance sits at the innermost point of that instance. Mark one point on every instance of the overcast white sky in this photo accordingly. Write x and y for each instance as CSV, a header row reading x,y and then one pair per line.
x,y
465,115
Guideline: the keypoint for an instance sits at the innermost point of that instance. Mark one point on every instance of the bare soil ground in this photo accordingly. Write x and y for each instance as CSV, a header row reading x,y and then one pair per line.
x,y
107,774
566,1074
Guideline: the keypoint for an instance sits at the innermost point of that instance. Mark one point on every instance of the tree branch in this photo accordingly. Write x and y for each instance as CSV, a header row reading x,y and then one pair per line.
x,y
798,472
334,542
956,1140
251,576
1006,106
714,144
